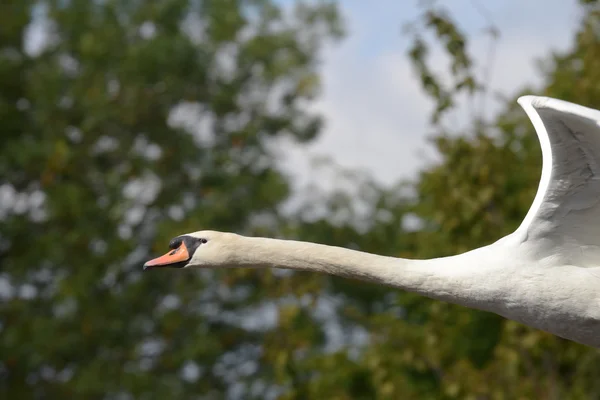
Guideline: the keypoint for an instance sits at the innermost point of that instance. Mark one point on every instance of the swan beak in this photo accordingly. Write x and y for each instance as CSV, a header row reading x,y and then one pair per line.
x,y
175,256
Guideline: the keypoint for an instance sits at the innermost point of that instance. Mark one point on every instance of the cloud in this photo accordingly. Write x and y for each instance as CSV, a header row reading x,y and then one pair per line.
x,y
375,110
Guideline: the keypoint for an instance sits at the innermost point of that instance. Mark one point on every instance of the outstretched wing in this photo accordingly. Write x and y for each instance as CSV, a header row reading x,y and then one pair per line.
x,y
565,215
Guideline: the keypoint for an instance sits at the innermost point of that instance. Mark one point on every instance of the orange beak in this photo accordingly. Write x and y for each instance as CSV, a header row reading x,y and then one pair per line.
x,y
178,255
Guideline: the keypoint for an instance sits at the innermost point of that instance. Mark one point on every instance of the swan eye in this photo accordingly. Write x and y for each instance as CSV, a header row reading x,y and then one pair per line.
x,y
203,240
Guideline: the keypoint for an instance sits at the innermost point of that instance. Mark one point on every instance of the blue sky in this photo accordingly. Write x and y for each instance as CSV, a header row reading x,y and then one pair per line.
x,y
375,111
376,114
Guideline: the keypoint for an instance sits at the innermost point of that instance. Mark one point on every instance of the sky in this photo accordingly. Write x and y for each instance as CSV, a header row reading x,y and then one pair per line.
x,y
376,114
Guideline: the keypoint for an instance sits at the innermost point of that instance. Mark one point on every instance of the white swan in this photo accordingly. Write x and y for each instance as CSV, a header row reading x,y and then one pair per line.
x,y
546,274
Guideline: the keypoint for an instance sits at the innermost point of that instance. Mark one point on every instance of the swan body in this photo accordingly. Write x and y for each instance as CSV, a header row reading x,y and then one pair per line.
x,y
546,274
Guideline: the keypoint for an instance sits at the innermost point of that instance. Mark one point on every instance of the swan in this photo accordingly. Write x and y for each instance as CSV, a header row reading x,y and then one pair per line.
x,y
546,274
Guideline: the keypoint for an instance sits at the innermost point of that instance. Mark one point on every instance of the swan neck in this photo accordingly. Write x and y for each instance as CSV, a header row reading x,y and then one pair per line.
x,y
462,279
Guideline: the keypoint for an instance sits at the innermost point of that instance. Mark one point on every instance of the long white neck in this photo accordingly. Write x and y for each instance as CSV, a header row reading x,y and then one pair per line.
x,y
467,279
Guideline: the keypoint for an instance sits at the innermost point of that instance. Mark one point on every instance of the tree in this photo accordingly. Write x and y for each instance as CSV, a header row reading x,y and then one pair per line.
x,y
122,125
99,169
481,189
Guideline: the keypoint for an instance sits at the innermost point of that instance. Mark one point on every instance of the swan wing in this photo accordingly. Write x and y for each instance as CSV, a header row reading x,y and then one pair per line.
x,y
564,218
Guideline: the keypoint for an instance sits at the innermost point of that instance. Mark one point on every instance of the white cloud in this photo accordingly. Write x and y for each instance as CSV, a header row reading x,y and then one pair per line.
x,y
375,110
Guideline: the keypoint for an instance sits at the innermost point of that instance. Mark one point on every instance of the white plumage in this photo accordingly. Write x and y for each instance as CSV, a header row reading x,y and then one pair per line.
x,y
546,274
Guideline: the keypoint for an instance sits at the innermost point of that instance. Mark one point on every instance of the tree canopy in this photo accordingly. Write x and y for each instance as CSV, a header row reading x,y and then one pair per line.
x,y
125,123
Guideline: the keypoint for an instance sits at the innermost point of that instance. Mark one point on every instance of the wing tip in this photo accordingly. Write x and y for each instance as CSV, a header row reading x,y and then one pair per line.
x,y
532,102
535,101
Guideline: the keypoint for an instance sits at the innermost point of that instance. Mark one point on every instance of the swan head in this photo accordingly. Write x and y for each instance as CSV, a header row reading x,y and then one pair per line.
x,y
202,249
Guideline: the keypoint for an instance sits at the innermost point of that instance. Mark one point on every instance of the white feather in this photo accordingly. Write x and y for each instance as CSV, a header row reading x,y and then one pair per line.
x,y
546,274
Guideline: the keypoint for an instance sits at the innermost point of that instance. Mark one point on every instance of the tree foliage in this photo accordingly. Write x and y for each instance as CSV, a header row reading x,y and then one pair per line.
x,y
479,191
124,123
130,122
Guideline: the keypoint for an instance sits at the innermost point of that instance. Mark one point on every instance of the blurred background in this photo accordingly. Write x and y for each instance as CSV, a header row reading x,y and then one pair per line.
x,y
389,127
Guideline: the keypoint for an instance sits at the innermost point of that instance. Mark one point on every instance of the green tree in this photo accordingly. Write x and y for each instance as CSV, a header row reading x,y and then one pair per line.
x,y
479,191
132,122
127,123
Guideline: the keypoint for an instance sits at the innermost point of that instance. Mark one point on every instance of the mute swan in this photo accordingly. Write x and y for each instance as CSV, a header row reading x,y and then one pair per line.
x,y
546,274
